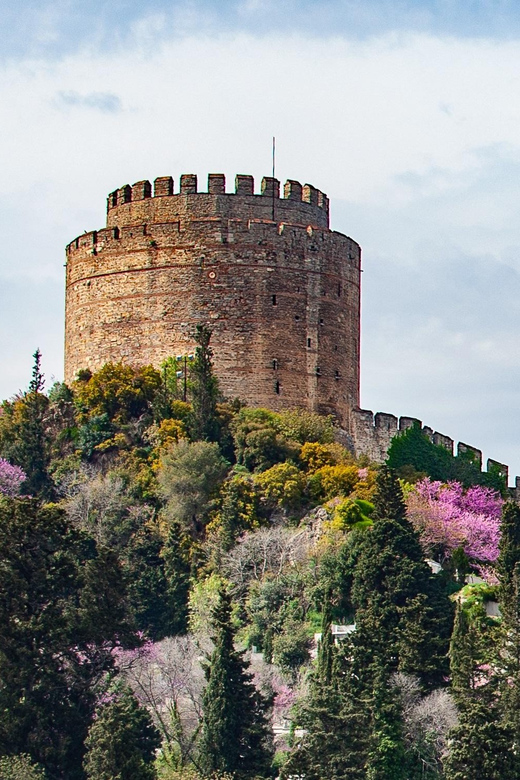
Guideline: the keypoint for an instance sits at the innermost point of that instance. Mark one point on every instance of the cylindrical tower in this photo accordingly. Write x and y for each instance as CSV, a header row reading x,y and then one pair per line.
x,y
279,290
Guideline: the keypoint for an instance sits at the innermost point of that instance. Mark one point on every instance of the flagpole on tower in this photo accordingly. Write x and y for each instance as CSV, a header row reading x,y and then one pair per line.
x,y
274,168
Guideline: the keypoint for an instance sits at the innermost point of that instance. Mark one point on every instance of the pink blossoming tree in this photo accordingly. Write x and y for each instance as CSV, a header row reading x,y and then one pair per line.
x,y
449,518
11,477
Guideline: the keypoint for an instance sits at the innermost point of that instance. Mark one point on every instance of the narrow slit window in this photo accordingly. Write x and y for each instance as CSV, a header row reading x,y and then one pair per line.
x,y
318,371
339,290
274,300
337,375
321,322
277,388
308,343
275,364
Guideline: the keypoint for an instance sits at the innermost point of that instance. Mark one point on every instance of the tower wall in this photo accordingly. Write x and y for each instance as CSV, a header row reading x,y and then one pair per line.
x,y
281,295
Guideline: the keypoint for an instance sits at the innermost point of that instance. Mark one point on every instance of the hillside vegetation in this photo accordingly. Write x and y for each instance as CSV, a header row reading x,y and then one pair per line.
x,y
193,588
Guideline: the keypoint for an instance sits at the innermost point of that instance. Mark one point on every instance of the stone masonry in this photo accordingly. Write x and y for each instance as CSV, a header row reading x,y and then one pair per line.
x,y
279,290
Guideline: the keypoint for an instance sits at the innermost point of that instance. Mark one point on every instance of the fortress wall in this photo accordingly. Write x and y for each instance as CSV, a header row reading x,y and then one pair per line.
x,y
281,298
372,435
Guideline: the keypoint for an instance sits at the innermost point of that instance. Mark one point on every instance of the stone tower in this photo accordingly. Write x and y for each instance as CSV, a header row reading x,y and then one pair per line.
x,y
279,290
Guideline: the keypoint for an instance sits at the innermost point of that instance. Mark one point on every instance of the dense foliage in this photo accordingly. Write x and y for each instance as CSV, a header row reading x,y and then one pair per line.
x,y
168,558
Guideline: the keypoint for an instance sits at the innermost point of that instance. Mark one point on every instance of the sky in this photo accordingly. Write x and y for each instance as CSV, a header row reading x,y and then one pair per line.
x,y
406,113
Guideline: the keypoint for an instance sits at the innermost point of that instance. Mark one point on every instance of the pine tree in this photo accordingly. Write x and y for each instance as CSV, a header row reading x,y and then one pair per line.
x,y
235,733
204,389
388,497
122,741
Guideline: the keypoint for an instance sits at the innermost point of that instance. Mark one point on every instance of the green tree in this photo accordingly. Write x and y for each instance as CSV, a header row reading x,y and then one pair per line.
x,y
176,556
508,559
23,437
118,391
190,475
464,656
258,442
508,567
386,758
413,450
480,746
235,733
388,497
151,574
334,743
20,768
122,741
204,390
403,617
62,610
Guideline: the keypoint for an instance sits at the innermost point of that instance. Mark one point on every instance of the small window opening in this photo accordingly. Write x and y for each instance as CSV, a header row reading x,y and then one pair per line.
x,y
335,347
339,290
308,342
321,322
297,289
337,375
274,300
275,364
318,371
296,317
277,388
116,232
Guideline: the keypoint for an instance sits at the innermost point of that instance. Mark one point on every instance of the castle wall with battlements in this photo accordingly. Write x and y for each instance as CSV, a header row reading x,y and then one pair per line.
x,y
279,290
371,435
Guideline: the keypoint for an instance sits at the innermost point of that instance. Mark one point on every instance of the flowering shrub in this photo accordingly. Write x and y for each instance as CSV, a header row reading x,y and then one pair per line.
x,y
11,477
449,518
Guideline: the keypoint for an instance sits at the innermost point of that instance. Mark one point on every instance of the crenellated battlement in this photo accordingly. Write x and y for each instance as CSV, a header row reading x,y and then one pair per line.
x,y
372,435
307,201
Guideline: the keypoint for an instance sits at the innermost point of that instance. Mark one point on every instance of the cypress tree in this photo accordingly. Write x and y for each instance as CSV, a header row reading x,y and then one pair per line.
x,y
334,743
508,567
151,592
463,657
480,746
386,758
25,441
508,559
403,618
122,741
204,389
510,657
388,497
177,568
235,736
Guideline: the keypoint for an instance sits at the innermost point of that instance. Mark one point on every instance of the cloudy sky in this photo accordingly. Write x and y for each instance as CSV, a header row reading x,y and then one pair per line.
x,y
406,112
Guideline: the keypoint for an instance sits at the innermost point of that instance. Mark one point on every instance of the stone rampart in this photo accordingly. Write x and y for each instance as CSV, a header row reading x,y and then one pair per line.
x,y
371,435
278,288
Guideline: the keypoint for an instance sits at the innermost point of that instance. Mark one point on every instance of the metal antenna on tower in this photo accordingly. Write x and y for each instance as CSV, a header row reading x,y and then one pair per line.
x,y
274,168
